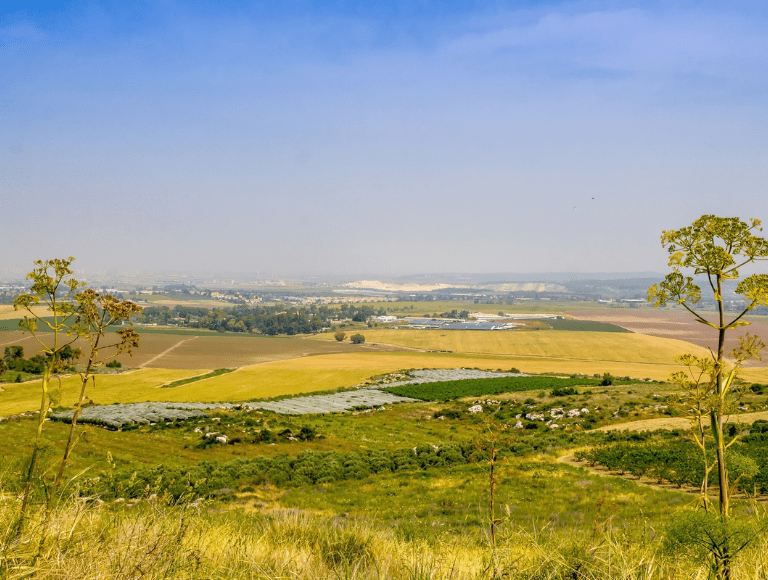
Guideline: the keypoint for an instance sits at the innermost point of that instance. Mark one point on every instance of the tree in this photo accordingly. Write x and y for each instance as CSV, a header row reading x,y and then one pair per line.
x,y
340,336
715,249
12,353
357,338
69,355
3,366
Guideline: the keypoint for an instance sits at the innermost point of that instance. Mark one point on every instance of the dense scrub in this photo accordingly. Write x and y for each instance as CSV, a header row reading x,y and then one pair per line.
x,y
210,478
308,467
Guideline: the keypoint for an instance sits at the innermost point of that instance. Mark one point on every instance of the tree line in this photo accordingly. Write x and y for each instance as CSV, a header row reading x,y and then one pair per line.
x,y
272,320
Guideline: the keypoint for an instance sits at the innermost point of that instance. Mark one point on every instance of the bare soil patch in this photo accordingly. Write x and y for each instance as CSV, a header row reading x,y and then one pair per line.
x,y
229,351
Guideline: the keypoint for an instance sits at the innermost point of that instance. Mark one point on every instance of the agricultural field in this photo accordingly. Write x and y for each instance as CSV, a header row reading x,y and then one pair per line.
x,y
131,386
533,401
309,374
8,313
185,349
413,308
563,345
673,323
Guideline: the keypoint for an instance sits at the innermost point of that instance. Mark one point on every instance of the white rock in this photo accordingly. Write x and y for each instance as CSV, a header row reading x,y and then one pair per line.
x,y
475,409
222,439
519,425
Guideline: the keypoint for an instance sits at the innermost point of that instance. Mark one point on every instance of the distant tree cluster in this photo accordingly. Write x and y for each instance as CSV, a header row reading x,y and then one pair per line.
x,y
261,319
13,360
455,314
8,296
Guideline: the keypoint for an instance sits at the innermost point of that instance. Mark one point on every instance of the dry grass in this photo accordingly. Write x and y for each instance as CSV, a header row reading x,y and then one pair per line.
x,y
152,541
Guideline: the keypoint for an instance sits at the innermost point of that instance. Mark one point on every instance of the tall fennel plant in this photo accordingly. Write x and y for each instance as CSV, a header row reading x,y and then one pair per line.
x,y
96,314
50,309
715,248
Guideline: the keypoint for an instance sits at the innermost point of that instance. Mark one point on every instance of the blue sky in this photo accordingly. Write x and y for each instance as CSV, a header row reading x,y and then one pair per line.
x,y
377,138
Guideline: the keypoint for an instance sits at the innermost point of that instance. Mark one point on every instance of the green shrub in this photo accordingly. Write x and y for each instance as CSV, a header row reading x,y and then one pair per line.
x,y
563,391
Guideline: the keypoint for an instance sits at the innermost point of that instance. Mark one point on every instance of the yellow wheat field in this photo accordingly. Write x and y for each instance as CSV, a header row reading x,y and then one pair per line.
x,y
137,386
633,355
297,376
7,312
582,346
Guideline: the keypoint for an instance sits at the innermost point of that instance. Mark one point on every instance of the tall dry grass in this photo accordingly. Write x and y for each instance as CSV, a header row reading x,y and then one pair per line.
x,y
153,539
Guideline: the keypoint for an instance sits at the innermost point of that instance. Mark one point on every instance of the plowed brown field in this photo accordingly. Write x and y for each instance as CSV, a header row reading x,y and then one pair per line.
x,y
188,351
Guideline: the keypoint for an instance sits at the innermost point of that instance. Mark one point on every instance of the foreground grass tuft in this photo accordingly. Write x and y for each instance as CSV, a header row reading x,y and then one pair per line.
x,y
154,539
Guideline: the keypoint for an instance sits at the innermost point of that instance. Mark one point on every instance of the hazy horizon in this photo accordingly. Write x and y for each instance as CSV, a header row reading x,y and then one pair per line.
x,y
394,138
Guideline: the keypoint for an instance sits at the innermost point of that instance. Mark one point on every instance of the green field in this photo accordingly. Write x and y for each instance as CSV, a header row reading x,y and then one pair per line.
x,y
447,390
583,325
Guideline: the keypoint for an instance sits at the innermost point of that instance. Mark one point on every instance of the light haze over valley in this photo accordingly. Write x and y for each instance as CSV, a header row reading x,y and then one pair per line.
x,y
380,140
